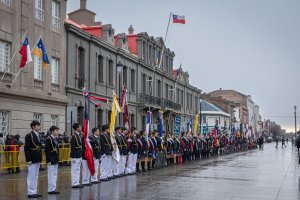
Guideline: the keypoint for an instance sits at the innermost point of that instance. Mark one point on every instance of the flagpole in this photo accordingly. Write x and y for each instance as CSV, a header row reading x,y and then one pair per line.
x,y
7,67
17,75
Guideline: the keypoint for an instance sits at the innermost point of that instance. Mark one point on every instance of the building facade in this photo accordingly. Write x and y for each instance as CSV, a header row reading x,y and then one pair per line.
x,y
37,93
94,51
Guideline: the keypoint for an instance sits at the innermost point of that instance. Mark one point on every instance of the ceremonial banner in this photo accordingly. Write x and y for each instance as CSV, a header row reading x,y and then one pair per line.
x,y
177,125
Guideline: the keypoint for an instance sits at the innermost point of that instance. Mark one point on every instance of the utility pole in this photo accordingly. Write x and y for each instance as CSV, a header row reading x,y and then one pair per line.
x,y
295,107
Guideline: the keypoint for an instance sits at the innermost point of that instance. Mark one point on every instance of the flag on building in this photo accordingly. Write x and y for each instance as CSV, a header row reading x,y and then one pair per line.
x,y
40,52
196,124
148,123
124,106
88,150
115,108
178,19
160,123
25,53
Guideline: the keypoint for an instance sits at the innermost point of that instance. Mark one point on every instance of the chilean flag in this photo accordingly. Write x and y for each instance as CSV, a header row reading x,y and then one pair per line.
x,y
179,19
25,53
88,151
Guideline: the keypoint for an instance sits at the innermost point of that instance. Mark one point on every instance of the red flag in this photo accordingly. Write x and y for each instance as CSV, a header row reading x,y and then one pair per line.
x,y
124,105
88,150
178,19
25,53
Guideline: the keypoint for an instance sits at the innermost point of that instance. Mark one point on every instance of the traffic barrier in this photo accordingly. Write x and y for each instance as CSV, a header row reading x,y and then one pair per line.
x,y
12,157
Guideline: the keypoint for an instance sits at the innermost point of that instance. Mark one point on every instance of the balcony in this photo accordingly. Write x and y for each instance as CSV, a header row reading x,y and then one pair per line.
x,y
150,100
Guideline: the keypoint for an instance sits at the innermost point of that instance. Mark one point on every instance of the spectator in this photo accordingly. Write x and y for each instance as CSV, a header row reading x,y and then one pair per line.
x,y
2,146
19,143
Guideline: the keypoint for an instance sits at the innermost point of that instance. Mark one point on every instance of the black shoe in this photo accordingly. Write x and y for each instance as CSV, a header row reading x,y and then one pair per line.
x,y
144,170
104,179
53,192
77,186
95,182
34,196
87,184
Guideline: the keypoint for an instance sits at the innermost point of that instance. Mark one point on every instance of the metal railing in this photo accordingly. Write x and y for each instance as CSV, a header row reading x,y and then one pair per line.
x,y
39,14
56,22
158,102
7,2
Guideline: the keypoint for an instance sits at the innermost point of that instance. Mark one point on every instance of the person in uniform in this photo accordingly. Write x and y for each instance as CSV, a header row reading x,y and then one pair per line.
x,y
106,154
76,155
52,158
33,154
123,152
133,150
145,149
96,146
140,151
154,142
85,174
116,165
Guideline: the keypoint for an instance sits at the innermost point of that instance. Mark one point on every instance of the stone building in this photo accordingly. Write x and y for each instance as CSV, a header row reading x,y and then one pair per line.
x,y
95,51
38,93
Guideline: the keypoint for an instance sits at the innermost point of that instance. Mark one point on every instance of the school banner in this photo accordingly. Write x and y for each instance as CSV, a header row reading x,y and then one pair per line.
x,y
177,125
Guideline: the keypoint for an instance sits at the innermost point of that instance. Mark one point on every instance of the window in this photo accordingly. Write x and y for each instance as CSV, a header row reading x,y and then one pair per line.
x,y
177,95
144,123
108,116
99,118
4,55
144,50
37,117
39,12
158,88
167,91
132,80
182,97
171,93
150,85
54,120
4,122
37,68
55,15
187,100
125,76
132,120
80,112
110,73
100,69
144,83
81,67
7,2
54,70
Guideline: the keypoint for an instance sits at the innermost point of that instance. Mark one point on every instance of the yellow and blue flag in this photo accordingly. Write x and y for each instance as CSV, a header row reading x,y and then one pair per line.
x,y
40,51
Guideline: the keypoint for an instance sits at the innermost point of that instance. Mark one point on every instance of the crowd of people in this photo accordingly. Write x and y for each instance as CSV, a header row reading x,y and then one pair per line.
x,y
121,153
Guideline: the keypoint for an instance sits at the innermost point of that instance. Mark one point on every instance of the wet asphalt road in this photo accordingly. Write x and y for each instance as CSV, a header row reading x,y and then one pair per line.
x,y
257,174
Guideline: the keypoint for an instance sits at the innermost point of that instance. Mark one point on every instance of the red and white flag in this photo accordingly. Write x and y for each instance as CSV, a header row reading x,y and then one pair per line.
x,y
124,106
25,53
178,19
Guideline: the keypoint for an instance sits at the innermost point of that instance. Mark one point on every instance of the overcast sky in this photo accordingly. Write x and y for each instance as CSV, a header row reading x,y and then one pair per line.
x,y
252,46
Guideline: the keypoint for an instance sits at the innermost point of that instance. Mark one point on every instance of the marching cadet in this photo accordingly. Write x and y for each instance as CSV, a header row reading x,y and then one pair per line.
x,y
52,157
154,142
150,153
76,156
145,149
124,152
96,146
106,154
33,154
132,155
140,149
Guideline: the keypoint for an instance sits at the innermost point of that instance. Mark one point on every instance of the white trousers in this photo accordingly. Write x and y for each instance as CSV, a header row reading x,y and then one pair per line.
x,y
131,164
95,177
75,171
52,177
122,164
103,164
32,178
115,167
86,174
109,167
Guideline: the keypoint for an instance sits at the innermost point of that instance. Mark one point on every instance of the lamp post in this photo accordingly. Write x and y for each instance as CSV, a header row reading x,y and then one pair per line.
x,y
119,71
295,108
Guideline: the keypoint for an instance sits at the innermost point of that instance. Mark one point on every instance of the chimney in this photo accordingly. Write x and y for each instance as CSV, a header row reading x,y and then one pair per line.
x,y
220,88
130,30
83,4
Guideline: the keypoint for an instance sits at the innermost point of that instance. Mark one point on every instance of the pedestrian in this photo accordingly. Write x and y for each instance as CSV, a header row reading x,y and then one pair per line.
x,y
96,146
106,154
76,156
276,140
18,144
145,149
33,154
52,158
283,143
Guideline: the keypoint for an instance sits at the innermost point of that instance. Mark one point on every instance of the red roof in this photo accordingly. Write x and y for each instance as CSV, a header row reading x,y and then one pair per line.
x,y
94,30
132,44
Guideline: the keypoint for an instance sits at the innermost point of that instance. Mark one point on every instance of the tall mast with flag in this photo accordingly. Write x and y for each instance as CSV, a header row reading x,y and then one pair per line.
x,y
148,123
124,106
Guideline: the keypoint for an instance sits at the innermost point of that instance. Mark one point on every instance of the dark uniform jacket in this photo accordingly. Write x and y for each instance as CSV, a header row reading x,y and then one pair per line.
x,y
106,145
159,143
52,150
145,147
124,145
96,146
133,145
33,148
76,146
119,142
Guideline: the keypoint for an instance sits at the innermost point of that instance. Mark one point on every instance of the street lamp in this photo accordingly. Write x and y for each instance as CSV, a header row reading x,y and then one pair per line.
x,y
119,71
